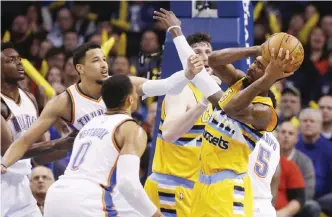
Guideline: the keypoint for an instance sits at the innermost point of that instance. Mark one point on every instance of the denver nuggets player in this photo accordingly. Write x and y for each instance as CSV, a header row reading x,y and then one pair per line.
x,y
108,141
18,112
81,102
176,160
224,187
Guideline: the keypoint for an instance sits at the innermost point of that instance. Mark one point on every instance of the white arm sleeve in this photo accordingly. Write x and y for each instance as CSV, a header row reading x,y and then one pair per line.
x,y
172,85
130,187
184,49
205,83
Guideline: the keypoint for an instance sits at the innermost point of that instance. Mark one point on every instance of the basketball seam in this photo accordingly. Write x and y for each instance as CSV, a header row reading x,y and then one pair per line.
x,y
298,41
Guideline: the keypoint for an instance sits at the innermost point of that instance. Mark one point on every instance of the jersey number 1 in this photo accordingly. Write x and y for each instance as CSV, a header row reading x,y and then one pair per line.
x,y
262,162
78,159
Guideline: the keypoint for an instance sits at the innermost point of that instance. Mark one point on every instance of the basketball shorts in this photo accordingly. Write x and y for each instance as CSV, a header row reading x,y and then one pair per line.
x,y
223,194
264,208
84,198
16,197
172,195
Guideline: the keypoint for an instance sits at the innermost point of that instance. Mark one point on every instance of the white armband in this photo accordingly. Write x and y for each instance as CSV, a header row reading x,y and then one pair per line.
x,y
129,185
184,49
205,83
172,85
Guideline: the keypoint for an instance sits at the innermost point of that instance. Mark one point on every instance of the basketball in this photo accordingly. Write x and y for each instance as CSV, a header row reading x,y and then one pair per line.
x,y
287,42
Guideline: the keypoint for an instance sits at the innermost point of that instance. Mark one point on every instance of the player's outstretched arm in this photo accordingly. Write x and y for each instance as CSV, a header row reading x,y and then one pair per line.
x,y
173,25
132,140
51,112
240,106
221,62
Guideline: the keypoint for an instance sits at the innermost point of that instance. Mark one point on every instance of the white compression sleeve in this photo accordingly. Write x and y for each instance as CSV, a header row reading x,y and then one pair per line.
x,y
205,83
172,85
130,187
184,49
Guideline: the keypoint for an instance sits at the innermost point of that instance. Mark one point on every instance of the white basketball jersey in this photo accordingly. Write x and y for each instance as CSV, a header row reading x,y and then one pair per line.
x,y
263,162
95,153
22,115
84,108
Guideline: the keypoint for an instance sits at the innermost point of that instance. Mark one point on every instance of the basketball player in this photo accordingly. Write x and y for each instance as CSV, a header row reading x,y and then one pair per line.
x,y
111,140
176,159
241,114
81,102
18,112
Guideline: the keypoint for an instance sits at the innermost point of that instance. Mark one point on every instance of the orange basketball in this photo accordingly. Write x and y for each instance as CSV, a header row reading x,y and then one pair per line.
x,y
287,42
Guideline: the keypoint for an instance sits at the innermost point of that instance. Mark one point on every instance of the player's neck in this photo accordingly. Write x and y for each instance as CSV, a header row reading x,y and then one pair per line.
x,y
90,88
118,111
10,90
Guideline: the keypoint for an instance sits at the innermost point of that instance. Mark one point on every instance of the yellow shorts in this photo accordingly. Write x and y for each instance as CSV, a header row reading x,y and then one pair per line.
x,y
222,195
172,195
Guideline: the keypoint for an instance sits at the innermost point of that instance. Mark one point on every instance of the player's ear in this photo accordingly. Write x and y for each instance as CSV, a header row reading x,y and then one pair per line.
x,y
80,68
130,100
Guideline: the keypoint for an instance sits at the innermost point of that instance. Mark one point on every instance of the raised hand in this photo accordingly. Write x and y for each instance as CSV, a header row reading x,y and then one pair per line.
x,y
278,64
194,66
167,18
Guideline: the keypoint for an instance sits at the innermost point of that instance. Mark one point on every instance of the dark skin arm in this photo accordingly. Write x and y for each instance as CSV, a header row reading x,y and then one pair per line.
x,y
240,106
36,149
56,108
220,61
275,184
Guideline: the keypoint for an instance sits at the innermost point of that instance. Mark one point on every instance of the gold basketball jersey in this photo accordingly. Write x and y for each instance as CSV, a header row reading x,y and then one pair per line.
x,y
181,158
227,143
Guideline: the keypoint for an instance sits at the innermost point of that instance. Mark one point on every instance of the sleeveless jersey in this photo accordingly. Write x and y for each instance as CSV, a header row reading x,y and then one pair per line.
x,y
227,143
22,115
181,158
263,162
84,108
95,152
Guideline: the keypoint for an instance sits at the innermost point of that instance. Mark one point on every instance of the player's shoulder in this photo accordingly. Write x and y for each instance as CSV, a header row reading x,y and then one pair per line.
x,y
129,126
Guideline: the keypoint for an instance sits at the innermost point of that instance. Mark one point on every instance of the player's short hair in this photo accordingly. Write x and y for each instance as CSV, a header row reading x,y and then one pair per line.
x,y
199,37
80,52
115,90
6,45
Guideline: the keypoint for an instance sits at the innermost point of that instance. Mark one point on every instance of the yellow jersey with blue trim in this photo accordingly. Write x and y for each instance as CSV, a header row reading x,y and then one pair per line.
x,y
181,157
227,143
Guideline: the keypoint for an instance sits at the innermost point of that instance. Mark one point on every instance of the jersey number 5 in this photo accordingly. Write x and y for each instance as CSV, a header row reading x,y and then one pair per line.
x,y
262,162
79,158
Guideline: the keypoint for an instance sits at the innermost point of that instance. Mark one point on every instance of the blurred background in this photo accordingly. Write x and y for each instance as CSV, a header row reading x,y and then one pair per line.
x,y
46,32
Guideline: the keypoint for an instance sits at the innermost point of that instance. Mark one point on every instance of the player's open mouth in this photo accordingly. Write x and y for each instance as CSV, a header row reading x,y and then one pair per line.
x,y
105,72
21,71
207,67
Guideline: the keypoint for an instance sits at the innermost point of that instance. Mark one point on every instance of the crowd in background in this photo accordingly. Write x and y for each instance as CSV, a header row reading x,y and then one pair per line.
x,y
47,32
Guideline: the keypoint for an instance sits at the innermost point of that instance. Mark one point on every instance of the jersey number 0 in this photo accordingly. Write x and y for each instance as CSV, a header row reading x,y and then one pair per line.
x,y
79,158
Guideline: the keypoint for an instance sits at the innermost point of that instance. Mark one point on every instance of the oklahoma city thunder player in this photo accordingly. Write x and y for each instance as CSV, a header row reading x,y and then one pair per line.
x,y
263,164
19,112
176,159
82,102
108,141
